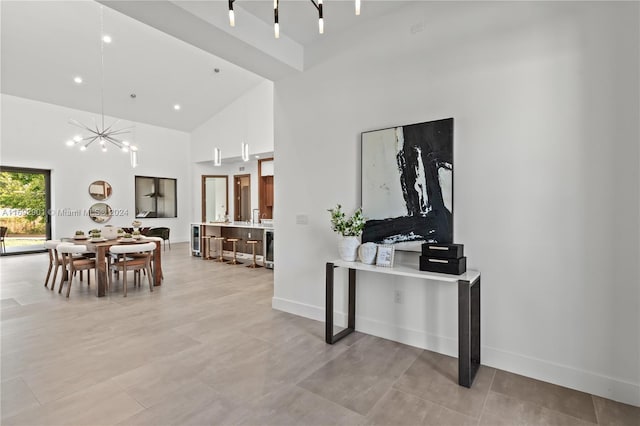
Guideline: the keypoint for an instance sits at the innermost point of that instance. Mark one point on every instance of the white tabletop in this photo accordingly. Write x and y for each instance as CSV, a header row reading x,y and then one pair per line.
x,y
409,271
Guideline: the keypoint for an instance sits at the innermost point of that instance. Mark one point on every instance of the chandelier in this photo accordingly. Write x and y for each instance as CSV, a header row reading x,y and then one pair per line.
x,y
105,135
276,23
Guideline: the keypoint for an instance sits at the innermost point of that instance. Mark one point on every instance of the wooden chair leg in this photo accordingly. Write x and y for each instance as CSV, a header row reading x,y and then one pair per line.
x,y
64,272
70,281
46,280
55,274
149,277
124,279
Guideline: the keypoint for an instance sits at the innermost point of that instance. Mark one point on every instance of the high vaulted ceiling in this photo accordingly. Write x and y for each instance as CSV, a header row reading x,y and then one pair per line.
x,y
164,52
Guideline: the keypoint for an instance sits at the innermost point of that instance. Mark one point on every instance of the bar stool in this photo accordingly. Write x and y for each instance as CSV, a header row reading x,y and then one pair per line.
x,y
207,246
234,261
220,258
253,244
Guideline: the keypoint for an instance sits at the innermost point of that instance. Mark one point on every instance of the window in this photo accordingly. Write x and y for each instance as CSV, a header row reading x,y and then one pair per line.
x,y
156,197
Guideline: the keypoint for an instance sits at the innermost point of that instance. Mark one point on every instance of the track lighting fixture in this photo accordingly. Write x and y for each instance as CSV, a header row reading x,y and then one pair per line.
x,y
320,18
232,16
276,22
245,152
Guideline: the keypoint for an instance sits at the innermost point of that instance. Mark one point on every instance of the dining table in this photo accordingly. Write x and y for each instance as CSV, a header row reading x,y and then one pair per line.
x,y
101,250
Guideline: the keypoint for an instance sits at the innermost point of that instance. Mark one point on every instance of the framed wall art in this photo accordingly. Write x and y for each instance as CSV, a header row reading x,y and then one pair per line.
x,y
407,184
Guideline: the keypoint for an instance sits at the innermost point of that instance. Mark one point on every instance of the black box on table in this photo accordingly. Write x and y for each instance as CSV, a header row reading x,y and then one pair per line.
x,y
443,266
443,251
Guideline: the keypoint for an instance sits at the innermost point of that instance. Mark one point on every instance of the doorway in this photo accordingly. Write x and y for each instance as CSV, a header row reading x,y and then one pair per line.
x,y
265,188
25,203
242,198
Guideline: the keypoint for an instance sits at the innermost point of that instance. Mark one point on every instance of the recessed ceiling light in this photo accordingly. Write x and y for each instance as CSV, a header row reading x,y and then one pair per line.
x,y
77,79
106,38
176,107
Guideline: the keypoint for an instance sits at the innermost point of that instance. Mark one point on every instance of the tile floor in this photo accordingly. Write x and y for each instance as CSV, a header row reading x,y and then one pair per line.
x,y
206,348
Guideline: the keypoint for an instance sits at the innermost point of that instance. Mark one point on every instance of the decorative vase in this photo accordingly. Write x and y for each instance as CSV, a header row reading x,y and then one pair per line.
x,y
348,248
367,253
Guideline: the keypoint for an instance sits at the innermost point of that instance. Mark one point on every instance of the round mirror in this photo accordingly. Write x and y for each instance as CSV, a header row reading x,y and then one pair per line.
x,y
100,212
100,190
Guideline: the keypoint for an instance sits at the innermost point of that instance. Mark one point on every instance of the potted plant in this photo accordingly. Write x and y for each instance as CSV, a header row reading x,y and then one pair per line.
x,y
350,230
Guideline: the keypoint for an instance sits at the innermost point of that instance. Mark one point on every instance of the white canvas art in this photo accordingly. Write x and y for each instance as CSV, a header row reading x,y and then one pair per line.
x,y
407,184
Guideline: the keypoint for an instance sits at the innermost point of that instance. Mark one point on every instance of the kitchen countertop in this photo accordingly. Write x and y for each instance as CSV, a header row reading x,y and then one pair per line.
x,y
238,225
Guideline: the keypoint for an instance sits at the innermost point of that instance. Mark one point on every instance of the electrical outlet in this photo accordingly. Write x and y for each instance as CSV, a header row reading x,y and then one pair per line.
x,y
249,235
397,296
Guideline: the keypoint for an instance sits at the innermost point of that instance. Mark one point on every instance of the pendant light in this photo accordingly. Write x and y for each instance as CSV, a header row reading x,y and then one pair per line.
x,y
276,21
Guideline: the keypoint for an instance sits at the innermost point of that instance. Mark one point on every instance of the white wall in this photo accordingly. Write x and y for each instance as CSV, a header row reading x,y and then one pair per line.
x,y
34,135
545,101
248,119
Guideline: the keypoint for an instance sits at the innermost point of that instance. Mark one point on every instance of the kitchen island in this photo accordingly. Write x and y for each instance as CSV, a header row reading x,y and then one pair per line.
x,y
243,231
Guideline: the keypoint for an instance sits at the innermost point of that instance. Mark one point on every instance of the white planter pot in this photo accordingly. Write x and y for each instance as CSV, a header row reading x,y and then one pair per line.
x,y
348,248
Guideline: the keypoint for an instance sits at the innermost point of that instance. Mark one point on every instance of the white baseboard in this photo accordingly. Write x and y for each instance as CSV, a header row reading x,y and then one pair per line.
x,y
297,308
547,371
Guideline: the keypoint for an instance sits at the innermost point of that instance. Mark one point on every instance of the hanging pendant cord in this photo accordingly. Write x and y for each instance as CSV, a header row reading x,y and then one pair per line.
x,y
102,64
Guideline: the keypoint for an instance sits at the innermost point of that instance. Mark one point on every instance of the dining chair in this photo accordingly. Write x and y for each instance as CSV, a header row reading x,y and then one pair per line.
x,y
3,234
54,262
124,263
161,232
153,265
72,263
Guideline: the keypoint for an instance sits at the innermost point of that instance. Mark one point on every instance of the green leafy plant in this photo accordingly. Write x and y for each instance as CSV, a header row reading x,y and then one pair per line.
x,y
347,227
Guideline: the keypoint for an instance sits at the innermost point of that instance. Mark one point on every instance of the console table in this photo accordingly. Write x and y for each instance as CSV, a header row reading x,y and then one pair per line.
x,y
468,309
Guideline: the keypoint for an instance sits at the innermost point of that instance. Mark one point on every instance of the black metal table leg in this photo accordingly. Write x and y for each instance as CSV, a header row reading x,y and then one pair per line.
x,y
351,319
468,331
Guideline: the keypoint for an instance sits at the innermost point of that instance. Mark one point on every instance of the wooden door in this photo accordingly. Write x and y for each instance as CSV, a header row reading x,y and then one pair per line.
x,y
265,192
242,198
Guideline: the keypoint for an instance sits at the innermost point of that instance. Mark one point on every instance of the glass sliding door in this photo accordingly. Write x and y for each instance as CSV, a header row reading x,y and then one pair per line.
x,y
25,201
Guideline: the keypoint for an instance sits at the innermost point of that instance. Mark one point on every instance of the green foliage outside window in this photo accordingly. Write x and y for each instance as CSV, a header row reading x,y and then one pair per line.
x,y
22,196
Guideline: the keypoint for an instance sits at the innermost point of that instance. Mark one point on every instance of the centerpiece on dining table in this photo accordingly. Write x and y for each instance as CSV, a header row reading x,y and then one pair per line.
x,y
109,232
95,235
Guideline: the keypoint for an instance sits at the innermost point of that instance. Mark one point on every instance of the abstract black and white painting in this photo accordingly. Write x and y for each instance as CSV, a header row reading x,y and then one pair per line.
x,y
407,184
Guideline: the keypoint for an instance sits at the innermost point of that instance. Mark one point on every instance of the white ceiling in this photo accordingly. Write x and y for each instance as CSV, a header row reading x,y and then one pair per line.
x,y
46,43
